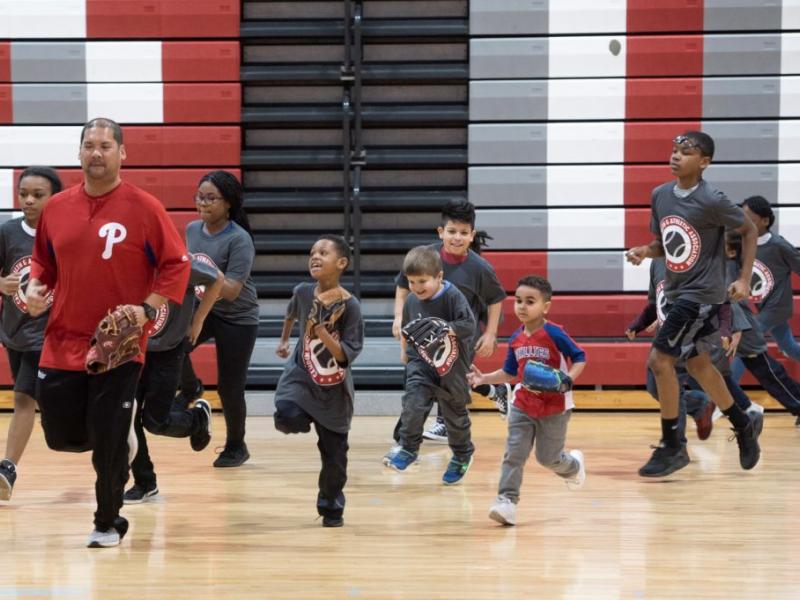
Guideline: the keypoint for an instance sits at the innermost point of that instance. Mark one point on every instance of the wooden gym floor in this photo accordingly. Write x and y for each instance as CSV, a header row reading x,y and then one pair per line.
x,y
709,531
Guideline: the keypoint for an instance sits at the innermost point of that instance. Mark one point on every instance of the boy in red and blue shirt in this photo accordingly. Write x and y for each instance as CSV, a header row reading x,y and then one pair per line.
x,y
535,419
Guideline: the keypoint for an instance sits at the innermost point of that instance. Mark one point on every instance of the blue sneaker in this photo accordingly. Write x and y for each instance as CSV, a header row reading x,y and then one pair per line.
x,y
400,459
456,470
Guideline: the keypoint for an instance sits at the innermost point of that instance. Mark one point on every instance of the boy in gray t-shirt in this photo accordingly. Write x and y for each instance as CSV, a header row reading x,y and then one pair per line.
x,y
316,386
689,219
441,377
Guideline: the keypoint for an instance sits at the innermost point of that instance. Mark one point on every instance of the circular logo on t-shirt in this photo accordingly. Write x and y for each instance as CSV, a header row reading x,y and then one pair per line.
x,y
320,363
761,283
661,303
199,290
681,243
444,357
157,324
23,268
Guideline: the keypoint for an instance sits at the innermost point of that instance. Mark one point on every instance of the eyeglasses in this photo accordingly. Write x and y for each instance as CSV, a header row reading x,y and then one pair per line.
x,y
685,142
206,200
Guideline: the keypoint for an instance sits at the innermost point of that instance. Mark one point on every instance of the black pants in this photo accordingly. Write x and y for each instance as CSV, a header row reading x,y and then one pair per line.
x,y
774,378
82,412
235,345
154,395
290,418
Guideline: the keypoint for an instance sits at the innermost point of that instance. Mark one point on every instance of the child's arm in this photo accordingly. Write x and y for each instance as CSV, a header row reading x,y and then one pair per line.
x,y
646,317
476,378
463,323
740,289
332,344
487,343
637,254
400,295
210,296
576,369
283,345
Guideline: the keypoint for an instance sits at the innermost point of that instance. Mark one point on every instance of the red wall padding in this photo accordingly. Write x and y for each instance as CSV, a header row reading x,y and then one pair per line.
x,y
162,18
665,15
673,55
214,147
194,61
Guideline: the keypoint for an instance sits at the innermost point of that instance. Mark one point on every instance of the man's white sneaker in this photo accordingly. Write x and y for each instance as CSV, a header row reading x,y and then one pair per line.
x,y
504,511
576,481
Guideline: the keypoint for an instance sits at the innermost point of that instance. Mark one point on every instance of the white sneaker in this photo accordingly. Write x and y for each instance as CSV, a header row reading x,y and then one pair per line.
x,y
755,409
103,539
504,511
576,481
437,433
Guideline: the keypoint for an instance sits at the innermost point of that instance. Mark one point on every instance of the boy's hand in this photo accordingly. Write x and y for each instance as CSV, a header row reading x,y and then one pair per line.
x,y
486,345
474,377
630,334
739,290
397,327
731,344
637,255
9,284
283,349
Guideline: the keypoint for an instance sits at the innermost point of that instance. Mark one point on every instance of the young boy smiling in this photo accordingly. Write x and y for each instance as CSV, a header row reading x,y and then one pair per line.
x,y
442,377
535,419
316,386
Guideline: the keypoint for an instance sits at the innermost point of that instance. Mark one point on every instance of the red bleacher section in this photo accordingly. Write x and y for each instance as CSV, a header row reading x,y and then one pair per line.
x,y
673,55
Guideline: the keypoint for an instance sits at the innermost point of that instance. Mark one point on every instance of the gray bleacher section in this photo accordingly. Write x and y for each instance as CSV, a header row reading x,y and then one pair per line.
x,y
298,102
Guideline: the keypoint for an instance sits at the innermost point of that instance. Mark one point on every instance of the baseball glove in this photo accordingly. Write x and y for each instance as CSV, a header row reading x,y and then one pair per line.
x,y
115,341
326,309
539,377
426,334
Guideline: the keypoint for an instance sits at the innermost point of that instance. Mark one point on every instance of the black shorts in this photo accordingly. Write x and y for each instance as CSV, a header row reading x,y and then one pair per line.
x,y
688,330
24,366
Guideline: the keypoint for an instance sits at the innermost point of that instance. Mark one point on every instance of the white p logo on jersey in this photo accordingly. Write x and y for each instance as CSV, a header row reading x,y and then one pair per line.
x,y
114,234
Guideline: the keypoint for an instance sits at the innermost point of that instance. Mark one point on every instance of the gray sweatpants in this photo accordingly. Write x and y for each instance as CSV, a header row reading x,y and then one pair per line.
x,y
548,435
423,386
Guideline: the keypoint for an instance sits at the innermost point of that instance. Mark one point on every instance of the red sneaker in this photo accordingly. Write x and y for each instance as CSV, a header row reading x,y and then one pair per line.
x,y
705,422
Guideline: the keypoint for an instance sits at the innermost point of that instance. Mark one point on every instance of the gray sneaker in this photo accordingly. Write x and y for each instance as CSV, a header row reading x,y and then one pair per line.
x,y
437,433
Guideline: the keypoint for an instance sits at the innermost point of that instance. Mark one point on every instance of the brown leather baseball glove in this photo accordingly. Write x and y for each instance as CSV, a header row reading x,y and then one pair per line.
x,y
115,341
327,308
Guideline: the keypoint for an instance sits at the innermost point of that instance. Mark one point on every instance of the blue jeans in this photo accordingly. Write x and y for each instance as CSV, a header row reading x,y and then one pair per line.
x,y
783,336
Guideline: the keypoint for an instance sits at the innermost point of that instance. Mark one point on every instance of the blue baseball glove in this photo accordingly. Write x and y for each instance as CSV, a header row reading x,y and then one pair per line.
x,y
539,377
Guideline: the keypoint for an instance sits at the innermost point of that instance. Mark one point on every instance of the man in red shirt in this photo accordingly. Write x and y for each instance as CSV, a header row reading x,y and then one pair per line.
x,y
99,244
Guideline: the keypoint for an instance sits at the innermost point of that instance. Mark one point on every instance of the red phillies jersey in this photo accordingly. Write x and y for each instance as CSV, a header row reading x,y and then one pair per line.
x,y
550,345
98,253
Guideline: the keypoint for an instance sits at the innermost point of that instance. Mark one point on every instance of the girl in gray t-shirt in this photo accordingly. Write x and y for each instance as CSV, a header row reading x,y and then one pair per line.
x,y
222,237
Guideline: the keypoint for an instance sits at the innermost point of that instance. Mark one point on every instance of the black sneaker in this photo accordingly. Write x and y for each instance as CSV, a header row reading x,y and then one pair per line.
x,y
332,521
665,461
8,475
200,438
502,396
232,457
797,422
138,494
183,400
747,439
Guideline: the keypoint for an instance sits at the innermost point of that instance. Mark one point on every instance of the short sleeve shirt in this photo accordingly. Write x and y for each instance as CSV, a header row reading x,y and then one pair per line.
x,y
692,232
771,285
232,252
312,378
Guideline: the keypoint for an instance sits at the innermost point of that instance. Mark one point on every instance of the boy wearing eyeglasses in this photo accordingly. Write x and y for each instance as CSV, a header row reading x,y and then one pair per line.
x,y
689,219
